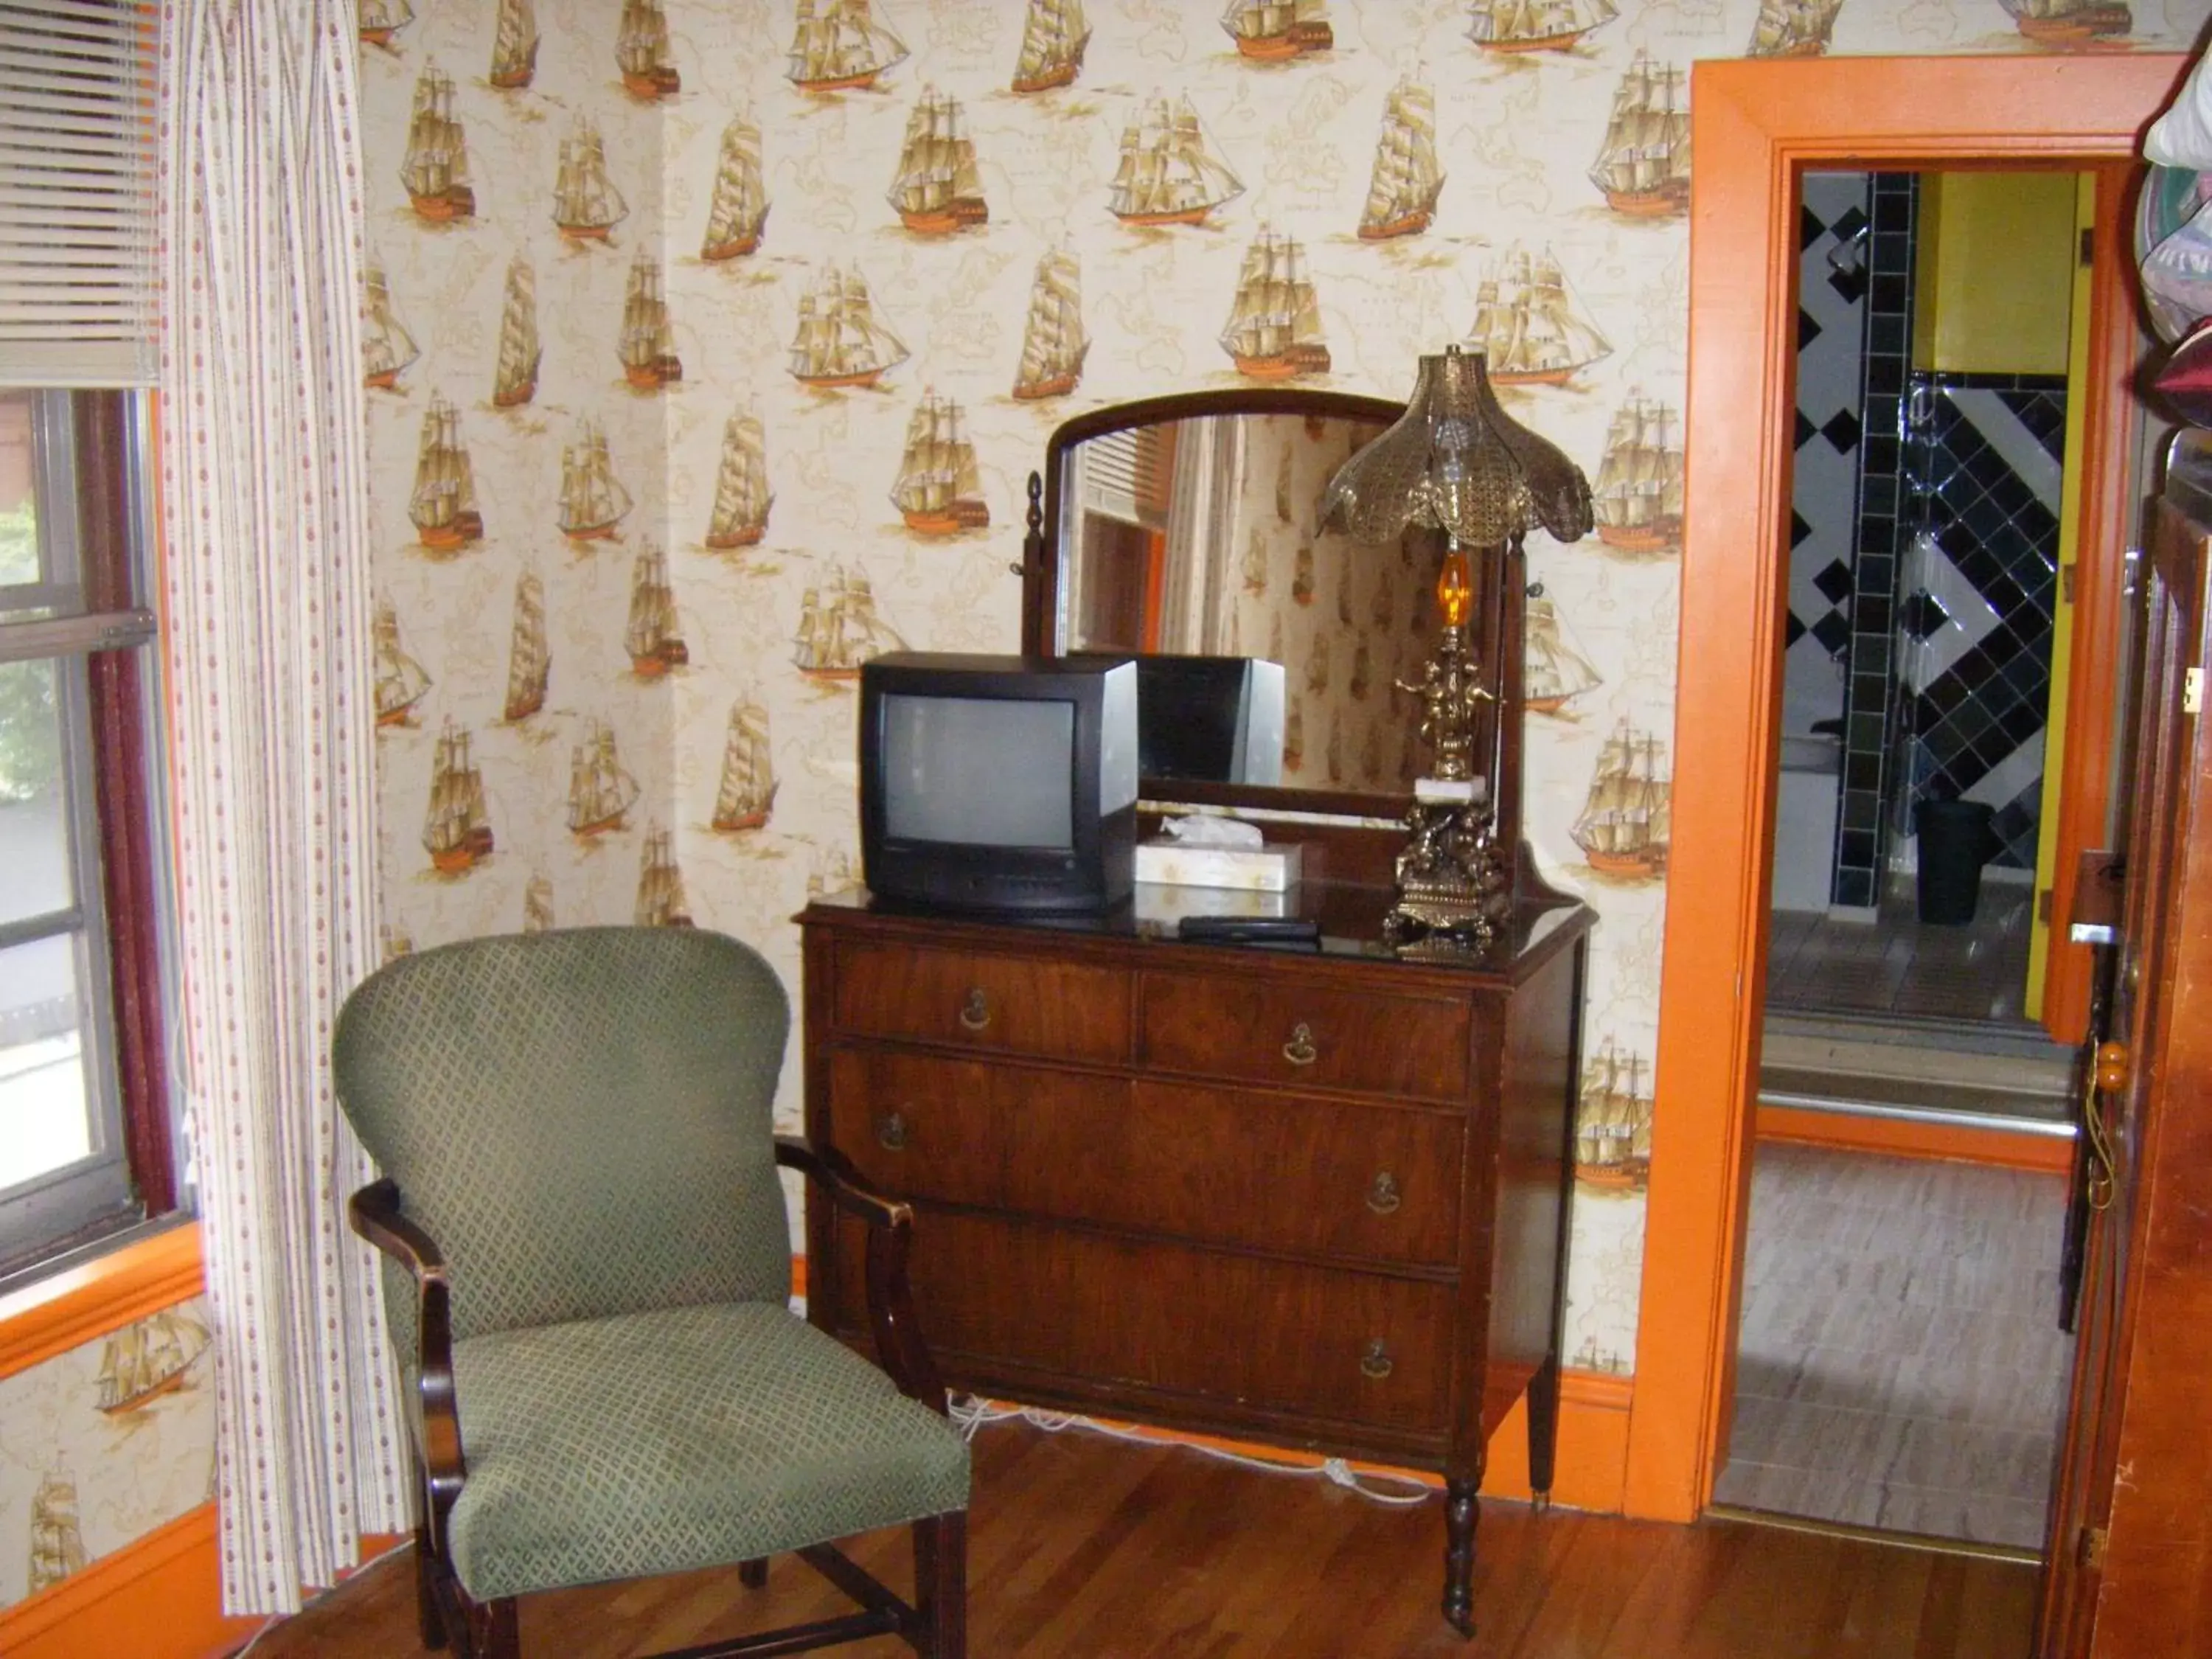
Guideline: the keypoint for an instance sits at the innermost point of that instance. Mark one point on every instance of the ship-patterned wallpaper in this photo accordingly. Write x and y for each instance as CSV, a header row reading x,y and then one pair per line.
x,y
711,342
101,1444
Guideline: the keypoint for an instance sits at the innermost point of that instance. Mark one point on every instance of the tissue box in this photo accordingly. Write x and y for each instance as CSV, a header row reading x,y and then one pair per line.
x,y
1162,906
1260,869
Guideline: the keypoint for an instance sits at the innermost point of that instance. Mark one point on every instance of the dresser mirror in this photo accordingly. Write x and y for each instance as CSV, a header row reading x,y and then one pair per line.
x,y
1188,526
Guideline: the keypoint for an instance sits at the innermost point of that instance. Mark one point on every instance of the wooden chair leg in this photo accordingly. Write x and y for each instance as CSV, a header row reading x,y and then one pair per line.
x,y
497,1632
940,1585
429,1622
753,1574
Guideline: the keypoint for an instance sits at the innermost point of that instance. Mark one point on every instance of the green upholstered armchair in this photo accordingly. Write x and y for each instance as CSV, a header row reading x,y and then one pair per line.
x,y
587,1275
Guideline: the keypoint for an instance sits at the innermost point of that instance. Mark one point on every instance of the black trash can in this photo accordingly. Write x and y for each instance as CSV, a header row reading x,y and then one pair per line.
x,y
1955,842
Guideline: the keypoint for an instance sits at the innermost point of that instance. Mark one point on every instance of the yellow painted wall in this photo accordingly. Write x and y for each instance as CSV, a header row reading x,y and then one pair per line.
x,y
1996,258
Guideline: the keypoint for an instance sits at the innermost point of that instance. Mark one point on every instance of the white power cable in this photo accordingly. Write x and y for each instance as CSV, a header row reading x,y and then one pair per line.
x,y
970,1414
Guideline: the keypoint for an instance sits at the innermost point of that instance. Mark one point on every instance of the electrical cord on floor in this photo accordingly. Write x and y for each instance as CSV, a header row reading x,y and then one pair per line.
x,y
970,1414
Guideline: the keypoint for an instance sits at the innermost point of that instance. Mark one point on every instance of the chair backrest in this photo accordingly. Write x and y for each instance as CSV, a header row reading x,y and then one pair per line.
x,y
580,1118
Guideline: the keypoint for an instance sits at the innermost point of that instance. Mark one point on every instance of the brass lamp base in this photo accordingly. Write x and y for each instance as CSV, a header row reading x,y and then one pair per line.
x,y
1453,888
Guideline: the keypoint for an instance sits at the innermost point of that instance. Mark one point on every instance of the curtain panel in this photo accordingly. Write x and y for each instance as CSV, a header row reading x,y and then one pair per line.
x,y
268,659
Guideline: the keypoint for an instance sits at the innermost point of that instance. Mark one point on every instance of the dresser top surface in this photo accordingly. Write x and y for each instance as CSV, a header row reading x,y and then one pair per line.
x,y
1349,918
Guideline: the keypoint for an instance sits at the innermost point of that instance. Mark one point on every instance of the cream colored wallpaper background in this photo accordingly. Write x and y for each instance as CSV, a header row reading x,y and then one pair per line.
x,y
100,1445
925,430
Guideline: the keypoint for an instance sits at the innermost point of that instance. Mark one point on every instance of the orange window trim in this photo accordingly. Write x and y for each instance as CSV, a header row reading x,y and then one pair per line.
x,y
86,1302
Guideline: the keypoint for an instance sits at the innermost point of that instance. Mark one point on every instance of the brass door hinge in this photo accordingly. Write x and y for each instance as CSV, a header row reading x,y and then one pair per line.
x,y
2192,692
2090,1549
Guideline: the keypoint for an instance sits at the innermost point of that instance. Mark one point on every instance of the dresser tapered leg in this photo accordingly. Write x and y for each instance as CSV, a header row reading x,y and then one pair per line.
x,y
1459,1555
1543,1429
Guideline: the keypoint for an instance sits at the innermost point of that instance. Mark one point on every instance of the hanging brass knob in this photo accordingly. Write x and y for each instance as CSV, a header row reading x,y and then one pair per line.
x,y
1383,1194
1300,1050
976,1011
1376,1363
2114,1063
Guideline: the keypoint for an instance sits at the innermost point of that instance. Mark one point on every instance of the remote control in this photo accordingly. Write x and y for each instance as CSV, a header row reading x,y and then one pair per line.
x,y
1250,930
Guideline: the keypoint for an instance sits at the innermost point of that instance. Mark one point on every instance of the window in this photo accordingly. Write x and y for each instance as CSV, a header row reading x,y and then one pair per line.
x,y
84,1147
84,1126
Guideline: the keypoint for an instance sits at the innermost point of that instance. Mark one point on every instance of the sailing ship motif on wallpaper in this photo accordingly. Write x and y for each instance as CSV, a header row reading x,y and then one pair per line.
x,y
642,51
1054,35
840,341
839,47
1273,30
1644,165
592,499
1637,498
938,491
386,348
1510,26
514,381
395,941
742,497
600,790
455,831
1361,686
839,629
1301,575
746,793
661,902
1274,322
1318,666
1527,327
444,504
1553,672
1402,191
1793,28
435,168
586,203
1167,175
537,904
648,348
739,208
147,1359
937,189
380,20
515,46
1283,487
400,680
1294,735
1613,1120
2069,22
1623,827
1253,566
529,660
1054,344
57,1535
653,639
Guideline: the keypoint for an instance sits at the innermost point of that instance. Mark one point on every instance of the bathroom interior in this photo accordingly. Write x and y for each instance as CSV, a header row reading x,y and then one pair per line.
x,y
1901,1364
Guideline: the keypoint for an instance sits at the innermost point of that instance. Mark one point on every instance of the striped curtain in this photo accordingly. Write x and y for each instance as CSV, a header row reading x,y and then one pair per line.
x,y
268,661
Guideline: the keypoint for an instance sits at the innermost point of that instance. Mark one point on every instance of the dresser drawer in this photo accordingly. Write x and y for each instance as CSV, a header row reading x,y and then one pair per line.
x,y
1234,1167
1242,1333
927,1125
996,1004
1274,1032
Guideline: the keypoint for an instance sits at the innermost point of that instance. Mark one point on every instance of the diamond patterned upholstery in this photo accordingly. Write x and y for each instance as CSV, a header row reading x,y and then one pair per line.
x,y
582,1121
662,1441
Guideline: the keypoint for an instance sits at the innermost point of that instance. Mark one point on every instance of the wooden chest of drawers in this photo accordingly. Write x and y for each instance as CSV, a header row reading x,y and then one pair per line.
x,y
1315,1199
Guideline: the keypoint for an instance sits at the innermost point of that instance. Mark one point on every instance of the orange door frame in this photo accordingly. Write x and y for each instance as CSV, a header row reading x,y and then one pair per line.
x,y
1756,127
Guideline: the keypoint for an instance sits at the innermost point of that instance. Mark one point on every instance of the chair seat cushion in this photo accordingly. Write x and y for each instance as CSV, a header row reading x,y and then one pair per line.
x,y
678,1438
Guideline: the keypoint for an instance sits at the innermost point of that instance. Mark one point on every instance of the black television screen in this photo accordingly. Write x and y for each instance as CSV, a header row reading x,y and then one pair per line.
x,y
997,783
1215,719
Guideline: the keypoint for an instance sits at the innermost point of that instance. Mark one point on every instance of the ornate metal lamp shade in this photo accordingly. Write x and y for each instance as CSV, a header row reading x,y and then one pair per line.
x,y
1457,462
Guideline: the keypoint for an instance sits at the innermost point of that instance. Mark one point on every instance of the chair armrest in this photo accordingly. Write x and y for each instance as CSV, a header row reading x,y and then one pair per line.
x,y
374,1213
899,1344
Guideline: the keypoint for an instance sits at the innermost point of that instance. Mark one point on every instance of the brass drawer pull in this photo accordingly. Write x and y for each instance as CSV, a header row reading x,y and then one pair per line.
x,y
890,1131
1300,1050
976,1011
1383,1195
1376,1363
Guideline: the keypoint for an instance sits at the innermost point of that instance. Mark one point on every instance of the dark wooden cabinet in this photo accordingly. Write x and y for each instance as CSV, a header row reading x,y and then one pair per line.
x,y
1315,1199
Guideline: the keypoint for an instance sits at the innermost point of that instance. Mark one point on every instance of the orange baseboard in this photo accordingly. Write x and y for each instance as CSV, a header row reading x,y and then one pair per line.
x,y
1794,1125
158,1597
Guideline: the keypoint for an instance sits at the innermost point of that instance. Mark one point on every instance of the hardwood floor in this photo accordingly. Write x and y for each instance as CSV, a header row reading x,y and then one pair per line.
x,y
1085,1547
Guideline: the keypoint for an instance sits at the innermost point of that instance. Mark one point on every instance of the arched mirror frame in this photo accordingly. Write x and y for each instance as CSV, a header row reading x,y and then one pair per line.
x,y
1043,558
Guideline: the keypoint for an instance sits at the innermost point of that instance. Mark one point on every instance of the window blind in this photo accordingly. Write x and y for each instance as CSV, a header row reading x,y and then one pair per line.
x,y
1124,475
77,274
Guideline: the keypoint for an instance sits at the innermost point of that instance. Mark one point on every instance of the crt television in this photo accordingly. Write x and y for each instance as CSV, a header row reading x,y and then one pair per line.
x,y
1216,720
999,783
